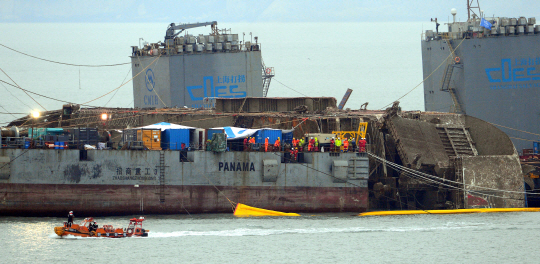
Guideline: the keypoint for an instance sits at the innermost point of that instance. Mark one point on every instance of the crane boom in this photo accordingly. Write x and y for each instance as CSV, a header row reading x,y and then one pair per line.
x,y
172,28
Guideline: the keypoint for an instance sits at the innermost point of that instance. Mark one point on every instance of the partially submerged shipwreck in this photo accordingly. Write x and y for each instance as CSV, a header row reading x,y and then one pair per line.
x,y
414,160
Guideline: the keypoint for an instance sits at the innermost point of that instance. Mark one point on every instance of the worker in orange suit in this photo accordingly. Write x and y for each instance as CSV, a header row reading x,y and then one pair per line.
x,y
345,145
266,144
277,145
294,142
251,143
311,142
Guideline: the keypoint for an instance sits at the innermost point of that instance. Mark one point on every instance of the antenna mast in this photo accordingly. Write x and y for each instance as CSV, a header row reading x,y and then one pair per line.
x,y
470,8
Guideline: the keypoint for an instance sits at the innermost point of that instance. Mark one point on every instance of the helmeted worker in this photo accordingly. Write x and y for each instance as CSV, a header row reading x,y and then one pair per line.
x,y
301,144
92,227
345,145
266,144
316,144
295,155
362,145
245,144
338,144
251,142
70,218
353,144
332,144
311,144
277,145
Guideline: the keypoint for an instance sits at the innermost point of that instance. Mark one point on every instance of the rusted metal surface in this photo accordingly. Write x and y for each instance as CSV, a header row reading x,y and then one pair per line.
x,y
57,199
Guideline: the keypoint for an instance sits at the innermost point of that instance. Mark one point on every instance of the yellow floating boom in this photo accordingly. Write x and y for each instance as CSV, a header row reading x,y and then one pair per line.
x,y
454,211
243,210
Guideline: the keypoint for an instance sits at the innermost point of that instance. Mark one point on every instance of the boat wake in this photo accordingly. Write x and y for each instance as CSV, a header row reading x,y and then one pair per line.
x,y
270,232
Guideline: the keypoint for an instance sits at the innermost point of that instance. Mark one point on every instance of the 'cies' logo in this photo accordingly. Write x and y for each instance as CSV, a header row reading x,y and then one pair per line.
x,y
222,90
149,80
522,70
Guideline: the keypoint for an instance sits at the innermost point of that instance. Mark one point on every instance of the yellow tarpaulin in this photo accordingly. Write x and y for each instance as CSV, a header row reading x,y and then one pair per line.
x,y
455,211
243,210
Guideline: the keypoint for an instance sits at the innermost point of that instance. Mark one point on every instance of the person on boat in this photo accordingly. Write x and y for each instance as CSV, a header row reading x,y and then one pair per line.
x,y
301,144
245,144
92,226
332,144
345,145
266,144
70,218
316,147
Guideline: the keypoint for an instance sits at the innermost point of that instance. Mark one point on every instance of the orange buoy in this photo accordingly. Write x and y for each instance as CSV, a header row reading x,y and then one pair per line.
x,y
268,70
457,59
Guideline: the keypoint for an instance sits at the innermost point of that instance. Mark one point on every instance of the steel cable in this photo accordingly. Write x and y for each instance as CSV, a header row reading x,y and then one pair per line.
x,y
63,63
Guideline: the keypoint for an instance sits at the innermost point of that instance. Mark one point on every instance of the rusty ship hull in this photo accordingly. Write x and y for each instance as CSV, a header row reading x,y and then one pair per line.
x,y
51,182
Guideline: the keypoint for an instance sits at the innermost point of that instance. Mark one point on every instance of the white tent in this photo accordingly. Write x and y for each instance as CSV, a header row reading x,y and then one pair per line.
x,y
237,132
164,125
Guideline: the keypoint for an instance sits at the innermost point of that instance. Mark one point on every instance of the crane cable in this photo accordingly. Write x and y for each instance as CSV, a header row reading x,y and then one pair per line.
x,y
63,63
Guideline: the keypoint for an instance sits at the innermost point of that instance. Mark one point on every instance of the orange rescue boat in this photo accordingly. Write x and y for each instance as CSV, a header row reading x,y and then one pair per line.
x,y
85,229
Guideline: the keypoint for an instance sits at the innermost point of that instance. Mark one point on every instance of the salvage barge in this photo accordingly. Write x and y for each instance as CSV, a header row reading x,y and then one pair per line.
x,y
478,160
215,84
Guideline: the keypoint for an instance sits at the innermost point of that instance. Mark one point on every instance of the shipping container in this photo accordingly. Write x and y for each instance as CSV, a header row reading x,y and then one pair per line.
x,y
129,135
271,134
287,137
42,132
151,138
83,136
173,138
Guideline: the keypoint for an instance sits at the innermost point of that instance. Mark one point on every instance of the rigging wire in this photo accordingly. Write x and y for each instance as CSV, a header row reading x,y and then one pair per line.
x,y
514,129
23,89
289,87
2,82
436,178
125,82
44,96
83,104
118,90
425,78
63,63
350,183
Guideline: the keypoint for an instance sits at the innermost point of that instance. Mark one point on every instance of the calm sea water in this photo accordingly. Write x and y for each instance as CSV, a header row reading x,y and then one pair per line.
x,y
379,61
326,238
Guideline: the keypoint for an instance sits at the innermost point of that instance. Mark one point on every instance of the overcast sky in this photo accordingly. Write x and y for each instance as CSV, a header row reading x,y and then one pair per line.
x,y
85,11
